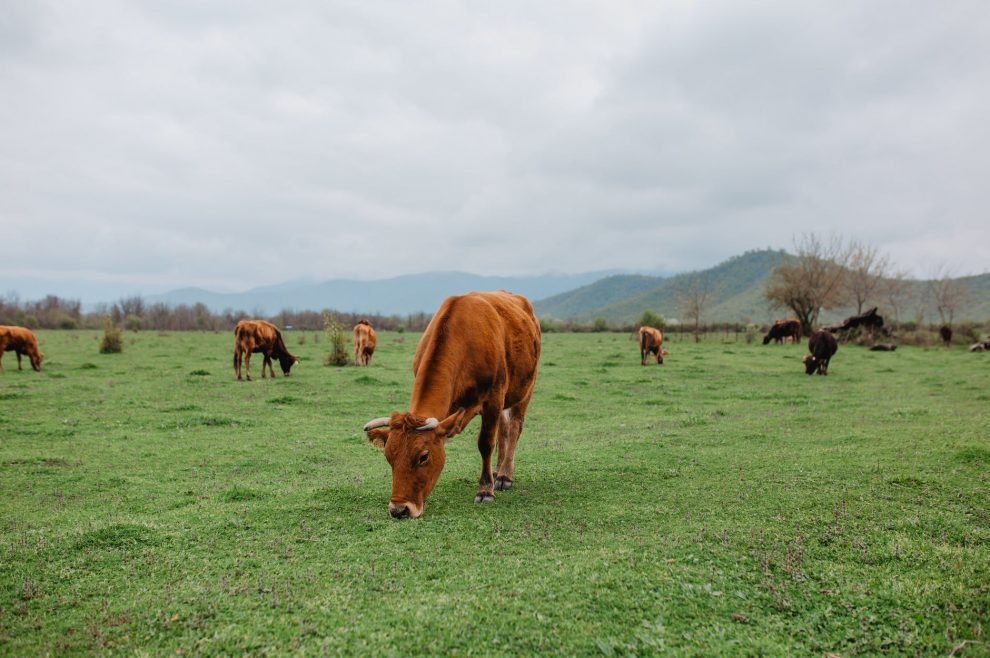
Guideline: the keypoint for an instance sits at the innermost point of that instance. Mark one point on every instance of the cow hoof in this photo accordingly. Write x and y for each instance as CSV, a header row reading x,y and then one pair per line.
x,y
502,483
484,498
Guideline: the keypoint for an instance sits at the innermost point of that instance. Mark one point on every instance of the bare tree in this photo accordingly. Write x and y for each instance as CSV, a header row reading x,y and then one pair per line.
x,y
947,294
865,273
812,280
694,293
894,290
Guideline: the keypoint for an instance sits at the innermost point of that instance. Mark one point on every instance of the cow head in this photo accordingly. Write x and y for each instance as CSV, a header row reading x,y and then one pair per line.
x,y
766,339
414,448
810,364
286,360
36,361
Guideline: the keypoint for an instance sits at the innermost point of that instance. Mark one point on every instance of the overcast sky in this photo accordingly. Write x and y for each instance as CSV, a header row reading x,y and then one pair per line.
x,y
234,144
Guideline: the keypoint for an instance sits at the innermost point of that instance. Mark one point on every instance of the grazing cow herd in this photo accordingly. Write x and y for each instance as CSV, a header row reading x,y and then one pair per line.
x,y
478,356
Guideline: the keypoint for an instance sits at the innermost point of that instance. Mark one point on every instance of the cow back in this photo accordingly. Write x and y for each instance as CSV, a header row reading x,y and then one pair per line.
x,y
474,344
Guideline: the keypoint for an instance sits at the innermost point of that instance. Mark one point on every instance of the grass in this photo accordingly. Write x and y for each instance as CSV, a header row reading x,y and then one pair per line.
x,y
722,504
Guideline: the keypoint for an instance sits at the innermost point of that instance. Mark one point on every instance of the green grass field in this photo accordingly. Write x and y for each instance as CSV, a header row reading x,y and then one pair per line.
x,y
722,504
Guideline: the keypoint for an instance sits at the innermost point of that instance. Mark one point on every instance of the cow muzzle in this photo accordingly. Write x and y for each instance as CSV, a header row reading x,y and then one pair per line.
x,y
404,510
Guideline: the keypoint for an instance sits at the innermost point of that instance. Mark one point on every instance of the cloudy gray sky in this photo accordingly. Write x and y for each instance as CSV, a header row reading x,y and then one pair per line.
x,y
232,144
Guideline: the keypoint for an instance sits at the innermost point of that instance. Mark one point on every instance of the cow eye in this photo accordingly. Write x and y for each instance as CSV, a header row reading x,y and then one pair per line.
x,y
423,458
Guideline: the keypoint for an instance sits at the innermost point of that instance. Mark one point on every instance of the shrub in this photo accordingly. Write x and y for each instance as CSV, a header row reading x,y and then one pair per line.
x,y
599,325
132,322
651,319
302,339
549,326
112,338
337,356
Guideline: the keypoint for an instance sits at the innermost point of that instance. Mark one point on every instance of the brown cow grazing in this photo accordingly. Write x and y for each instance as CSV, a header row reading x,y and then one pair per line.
x,y
22,342
365,341
478,355
259,336
651,342
783,329
945,331
823,346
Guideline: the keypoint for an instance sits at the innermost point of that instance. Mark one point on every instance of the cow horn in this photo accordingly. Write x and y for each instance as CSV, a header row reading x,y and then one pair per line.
x,y
431,424
378,422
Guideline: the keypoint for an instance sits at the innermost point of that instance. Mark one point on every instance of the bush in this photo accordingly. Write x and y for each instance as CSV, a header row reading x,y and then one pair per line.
x,y
302,339
338,355
599,325
132,322
549,326
651,319
112,338
919,338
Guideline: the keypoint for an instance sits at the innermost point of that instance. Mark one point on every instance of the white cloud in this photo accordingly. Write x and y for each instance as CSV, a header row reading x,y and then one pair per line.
x,y
239,144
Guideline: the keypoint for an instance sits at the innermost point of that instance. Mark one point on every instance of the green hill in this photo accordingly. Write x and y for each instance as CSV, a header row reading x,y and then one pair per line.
x,y
737,285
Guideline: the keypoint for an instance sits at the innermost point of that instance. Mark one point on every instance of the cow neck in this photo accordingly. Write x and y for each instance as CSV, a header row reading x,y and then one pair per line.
x,y
431,404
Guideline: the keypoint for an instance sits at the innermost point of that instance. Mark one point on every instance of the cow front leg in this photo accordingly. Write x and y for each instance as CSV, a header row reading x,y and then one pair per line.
x,y
510,427
18,360
247,365
486,444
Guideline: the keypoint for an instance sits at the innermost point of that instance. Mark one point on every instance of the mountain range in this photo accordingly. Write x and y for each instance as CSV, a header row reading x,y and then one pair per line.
x,y
401,295
737,294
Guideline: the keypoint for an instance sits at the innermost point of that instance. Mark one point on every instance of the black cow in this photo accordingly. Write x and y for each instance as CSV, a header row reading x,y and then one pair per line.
x,y
782,329
823,347
883,347
945,331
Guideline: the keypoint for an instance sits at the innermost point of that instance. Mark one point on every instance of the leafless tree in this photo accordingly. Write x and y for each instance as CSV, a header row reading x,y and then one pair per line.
x,y
894,290
865,273
694,294
812,280
945,293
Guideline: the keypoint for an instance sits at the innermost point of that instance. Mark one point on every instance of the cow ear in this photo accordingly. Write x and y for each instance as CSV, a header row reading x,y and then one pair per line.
x,y
451,425
378,436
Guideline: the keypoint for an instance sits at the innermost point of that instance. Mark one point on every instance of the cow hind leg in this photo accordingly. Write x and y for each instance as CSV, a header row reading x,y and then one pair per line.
x,y
486,444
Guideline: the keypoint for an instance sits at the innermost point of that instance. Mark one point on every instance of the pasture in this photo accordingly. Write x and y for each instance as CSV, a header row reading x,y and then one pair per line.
x,y
722,504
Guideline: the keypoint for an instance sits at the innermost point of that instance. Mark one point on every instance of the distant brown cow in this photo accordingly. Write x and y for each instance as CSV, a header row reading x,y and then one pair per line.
x,y
782,330
365,341
651,342
260,336
945,331
479,355
21,341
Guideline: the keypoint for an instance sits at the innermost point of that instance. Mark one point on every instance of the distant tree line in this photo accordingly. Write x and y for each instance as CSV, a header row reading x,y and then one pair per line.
x,y
134,314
